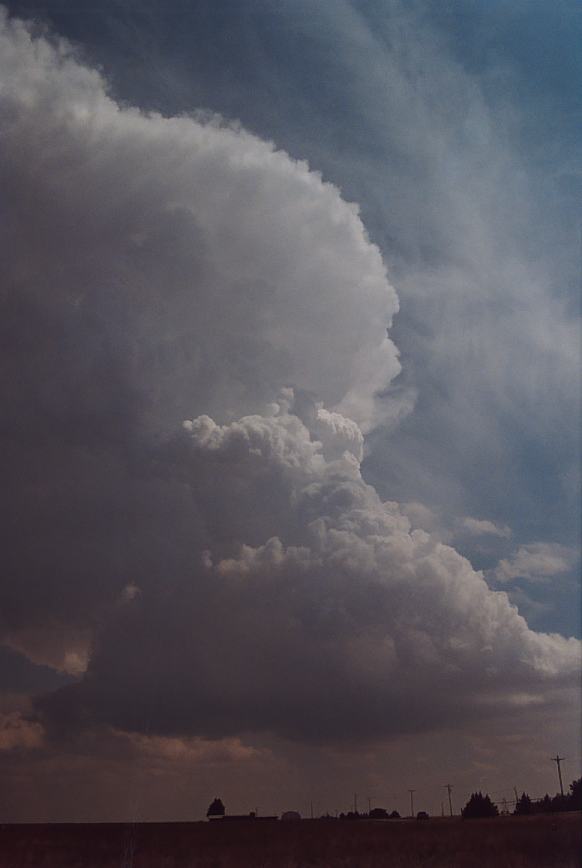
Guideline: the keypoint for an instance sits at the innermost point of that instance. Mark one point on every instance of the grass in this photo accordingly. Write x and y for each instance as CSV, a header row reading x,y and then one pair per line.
x,y
552,841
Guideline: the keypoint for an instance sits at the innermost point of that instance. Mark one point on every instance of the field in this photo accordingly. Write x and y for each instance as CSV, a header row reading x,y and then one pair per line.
x,y
553,841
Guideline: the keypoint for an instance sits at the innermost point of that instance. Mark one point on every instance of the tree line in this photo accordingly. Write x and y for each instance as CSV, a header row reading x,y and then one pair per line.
x,y
480,805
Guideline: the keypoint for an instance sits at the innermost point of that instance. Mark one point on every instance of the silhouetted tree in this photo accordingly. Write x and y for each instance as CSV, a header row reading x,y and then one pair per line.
x,y
378,814
394,815
479,805
524,806
215,809
575,795
560,803
572,801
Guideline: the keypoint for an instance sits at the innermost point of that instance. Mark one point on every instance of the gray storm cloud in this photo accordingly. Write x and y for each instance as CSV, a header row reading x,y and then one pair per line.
x,y
154,269
162,269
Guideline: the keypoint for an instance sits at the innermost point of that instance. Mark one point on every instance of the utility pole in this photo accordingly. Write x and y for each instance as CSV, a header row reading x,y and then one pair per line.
x,y
448,788
516,797
412,802
355,803
311,809
369,804
505,811
558,759
442,809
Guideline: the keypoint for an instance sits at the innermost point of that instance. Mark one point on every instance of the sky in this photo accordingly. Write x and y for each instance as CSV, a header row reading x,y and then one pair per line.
x,y
291,351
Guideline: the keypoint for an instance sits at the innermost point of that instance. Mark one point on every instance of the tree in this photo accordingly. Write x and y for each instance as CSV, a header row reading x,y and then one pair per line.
x,y
524,806
378,814
571,801
575,795
479,805
560,803
216,809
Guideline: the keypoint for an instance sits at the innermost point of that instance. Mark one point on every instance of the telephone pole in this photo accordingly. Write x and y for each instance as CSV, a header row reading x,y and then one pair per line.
x,y
369,804
355,803
558,759
412,802
448,788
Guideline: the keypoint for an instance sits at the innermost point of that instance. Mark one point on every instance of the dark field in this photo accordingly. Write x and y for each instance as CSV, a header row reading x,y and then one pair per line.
x,y
512,842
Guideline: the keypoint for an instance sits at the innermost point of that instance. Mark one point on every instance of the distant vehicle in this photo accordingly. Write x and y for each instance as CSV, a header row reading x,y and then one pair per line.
x,y
422,815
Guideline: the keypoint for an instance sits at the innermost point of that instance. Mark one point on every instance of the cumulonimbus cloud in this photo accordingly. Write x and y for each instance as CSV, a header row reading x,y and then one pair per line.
x,y
154,269
161,269
342,623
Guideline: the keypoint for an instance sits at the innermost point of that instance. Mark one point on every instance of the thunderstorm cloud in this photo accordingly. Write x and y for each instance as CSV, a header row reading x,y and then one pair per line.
x,y
194,330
